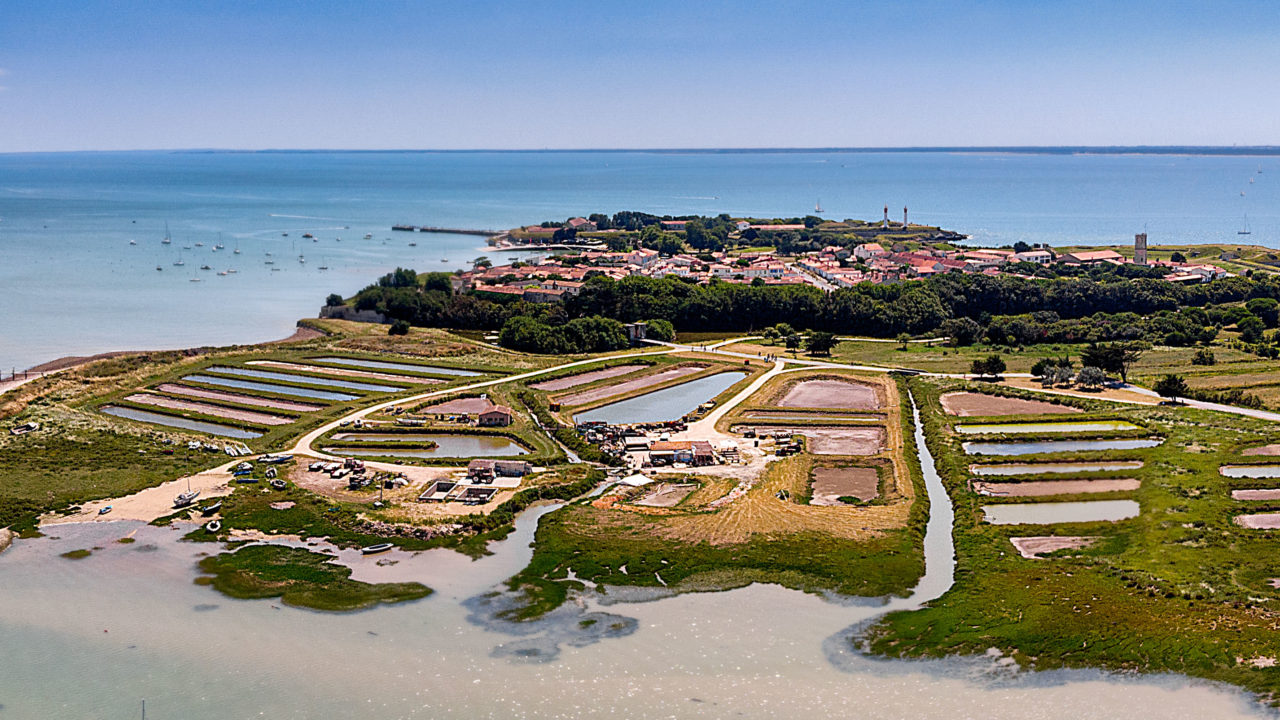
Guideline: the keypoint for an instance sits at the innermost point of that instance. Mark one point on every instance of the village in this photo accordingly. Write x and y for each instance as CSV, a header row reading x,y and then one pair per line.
x,y
552,278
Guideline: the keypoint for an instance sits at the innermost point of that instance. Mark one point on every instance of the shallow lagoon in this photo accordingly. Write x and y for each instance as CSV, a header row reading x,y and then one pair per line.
x,y
1251,471
1045,427
671,403
407,367
460,446
305,379
1053,468
268,387
179,422
1052,446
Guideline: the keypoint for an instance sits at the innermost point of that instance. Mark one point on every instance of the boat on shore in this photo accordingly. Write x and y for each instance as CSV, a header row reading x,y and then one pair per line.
x,y
277,484
208,510
185,499
213,526
375,549
105,510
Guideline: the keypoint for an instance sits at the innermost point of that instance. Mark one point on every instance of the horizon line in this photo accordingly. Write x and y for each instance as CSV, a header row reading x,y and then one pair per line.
x,y
1011,149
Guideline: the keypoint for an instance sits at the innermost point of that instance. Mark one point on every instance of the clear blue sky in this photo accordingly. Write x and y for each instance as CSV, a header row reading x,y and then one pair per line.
x,y
95,74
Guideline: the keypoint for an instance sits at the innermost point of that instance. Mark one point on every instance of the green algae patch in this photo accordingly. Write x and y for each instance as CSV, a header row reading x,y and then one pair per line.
x,y
300,578
77,554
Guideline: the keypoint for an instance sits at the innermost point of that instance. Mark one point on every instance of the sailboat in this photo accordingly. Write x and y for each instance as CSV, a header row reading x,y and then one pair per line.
x,y
167,240
818,206
1246,230
324,264
179,262
237,250
218,245
186,498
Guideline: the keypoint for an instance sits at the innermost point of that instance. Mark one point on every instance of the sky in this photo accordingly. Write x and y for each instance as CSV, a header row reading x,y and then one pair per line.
x,y
483,74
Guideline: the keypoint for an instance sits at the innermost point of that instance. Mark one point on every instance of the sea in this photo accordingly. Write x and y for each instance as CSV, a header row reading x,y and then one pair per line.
x,y
73,284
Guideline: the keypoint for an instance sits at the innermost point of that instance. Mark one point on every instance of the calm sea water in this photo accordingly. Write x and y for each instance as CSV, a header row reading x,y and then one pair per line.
x,y
73,284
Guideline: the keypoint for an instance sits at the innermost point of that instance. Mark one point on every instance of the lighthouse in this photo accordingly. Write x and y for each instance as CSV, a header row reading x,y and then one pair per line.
x,y
886,217
904,217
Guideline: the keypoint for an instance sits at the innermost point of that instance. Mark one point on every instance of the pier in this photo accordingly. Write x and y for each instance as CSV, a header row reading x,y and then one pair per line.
x,y
453,231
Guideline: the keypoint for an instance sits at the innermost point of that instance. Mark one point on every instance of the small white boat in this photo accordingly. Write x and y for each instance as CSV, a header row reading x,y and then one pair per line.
x,y
133,242
105,510
186,498
213,526
368,236
205,267
375,549
199,244
223,273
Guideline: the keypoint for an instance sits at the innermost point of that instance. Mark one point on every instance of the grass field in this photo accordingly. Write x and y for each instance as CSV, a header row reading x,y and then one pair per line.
x,y
1179,588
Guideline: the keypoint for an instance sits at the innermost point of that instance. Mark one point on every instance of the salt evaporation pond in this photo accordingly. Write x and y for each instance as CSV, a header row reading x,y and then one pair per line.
x,y
680,656
178,422
269,387
1251,471
1053,446
305,379
1063,512
671,403
460,446
1047,468
1046,427
407,367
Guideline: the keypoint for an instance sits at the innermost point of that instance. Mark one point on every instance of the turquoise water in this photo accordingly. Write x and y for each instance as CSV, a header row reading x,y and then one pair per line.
x,y
1051,446
408,367
72,215
306,379
269,387
671,403
179,422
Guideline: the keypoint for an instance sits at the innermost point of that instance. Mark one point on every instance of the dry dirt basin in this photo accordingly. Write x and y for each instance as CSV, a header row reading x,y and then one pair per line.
x,y
837,440
1040,488
206,409
569,381
1035,546
469,406
1260,521
832,483
628,386
175,389
666,495
1263,494
830,393
971,404
1273,449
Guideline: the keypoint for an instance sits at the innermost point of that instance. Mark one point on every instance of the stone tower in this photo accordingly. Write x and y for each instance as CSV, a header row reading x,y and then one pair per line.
x,y
1140,248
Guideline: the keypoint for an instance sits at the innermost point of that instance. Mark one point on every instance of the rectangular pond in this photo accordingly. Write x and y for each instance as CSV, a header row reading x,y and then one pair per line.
x,y
1063,512
1047,468
459,446
1251,471
406,367
1046,427
1055,446
178,422
671,403
271,388
307,379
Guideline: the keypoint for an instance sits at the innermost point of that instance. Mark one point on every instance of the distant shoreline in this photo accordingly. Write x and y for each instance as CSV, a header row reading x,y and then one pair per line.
x,y
1188,150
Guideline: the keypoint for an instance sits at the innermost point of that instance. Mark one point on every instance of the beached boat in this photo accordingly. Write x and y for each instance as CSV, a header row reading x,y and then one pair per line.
x,y
105,510
278,484
375,549
275,459
213,526
208,510
185,499
24,428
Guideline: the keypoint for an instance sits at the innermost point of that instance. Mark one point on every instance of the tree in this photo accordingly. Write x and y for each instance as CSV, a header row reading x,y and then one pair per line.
x,y
1115,357
1251,328
1172,386
660,329
784,329
961,331
1178,257
1204,356
770,335
991,366
820,343
1021,247
793,341
1267,310
399,327
903,340
1091,377
333,300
